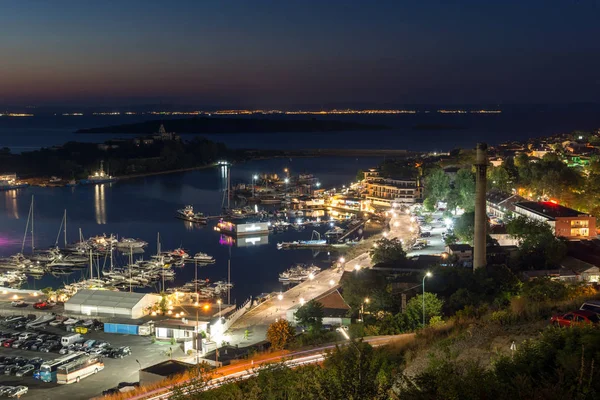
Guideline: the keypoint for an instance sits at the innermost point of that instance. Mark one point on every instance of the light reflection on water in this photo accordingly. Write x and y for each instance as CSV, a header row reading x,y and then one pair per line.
x,y
100,204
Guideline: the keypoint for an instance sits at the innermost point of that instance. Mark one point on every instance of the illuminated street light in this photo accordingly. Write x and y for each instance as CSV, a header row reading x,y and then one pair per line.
x,y
311,276
280,296
396,224
318,184
357,267
342,260
385,234
410,229
302,301
331,282
427,275
287,180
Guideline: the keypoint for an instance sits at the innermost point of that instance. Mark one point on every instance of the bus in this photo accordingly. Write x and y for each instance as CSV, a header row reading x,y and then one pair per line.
x,y
48,369
79,369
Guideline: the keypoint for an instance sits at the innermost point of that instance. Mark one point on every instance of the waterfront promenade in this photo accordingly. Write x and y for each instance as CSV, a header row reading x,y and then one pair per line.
x,y
257,320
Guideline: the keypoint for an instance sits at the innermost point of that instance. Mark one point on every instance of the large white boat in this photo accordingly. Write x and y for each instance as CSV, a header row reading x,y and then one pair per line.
x,y
204,258
98,177
129,243
188,214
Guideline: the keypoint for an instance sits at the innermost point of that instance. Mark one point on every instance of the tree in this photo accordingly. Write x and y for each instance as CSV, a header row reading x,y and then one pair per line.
x,y
311,315
387,251
539,248
280,333
437,185
464,186
360,175
499,178
464,227
414,309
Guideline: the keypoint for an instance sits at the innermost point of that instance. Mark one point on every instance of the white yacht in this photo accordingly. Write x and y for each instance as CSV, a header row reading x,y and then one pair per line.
x,y
204,258
129,243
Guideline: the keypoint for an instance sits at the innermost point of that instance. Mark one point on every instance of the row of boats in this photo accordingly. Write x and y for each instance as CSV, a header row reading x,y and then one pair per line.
x,y
299,273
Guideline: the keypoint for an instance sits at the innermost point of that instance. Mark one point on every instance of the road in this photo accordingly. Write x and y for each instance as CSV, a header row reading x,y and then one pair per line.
x,y
292,360
257,320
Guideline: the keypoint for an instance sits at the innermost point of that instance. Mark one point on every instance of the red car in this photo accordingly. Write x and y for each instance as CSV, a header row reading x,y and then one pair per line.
x,y
8,343
575,318
42,305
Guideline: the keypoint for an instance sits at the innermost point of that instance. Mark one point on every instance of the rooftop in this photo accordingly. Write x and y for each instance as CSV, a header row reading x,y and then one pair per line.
x,y
107,298
167,368
549,209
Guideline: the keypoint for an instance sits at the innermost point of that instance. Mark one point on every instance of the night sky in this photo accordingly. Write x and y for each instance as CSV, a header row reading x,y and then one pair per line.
x,y
287,52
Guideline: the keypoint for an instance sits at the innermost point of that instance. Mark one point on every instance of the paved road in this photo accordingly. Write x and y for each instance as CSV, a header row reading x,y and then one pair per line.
x,y
249,369
257,320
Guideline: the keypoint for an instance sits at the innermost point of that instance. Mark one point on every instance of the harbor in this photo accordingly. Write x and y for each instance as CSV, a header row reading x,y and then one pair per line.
x,y
99,210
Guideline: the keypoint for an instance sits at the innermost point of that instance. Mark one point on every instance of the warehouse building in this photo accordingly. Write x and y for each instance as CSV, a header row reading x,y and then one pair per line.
x,y
110,304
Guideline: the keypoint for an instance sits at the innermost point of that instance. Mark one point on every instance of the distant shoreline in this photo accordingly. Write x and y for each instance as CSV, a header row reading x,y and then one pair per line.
x,y
204,125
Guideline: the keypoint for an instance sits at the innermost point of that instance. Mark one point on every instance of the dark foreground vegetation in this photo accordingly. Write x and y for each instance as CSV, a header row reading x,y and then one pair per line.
x,y
235,125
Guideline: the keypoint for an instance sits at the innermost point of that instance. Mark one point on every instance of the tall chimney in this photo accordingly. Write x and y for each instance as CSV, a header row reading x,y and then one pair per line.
x,y
479,240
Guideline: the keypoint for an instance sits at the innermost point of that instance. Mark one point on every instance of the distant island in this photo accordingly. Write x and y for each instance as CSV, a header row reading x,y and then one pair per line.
x,y
235,125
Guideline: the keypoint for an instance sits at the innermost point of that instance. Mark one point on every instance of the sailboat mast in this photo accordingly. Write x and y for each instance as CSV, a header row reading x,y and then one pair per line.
x,y
91,266
32,242
130,262
229,281
26,228
65,227
111,253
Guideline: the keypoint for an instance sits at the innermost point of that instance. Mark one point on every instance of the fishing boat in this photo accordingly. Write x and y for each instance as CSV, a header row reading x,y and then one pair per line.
x,y
188,214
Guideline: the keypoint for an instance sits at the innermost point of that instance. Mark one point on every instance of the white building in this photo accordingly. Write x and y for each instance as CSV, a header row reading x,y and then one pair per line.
x,y
110,303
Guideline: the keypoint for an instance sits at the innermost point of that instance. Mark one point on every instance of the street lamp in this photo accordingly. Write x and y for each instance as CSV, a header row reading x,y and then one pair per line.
x,y
362,309
318,184
311,276
219,303
427,275
357,267
331,282
302,301
280,296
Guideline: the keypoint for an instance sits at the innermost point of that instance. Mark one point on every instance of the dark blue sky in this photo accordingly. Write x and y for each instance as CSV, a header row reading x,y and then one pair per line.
x,y
292,52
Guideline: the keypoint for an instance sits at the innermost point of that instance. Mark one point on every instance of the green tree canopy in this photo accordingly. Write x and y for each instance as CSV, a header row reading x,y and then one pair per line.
x,y
464,227
387,251
437,185
414,309
539,248
310,315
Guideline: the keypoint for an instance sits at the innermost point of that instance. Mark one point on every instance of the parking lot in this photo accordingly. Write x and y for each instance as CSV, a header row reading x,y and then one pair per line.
x,y
435,243
115,371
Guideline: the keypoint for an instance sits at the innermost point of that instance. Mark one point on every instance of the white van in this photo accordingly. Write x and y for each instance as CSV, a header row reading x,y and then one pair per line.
x,y
70,339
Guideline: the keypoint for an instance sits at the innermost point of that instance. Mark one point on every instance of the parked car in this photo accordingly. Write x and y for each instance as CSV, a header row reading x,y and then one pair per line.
x,y
27,335
11,369
579,317
43,305
25,370
18,303
18,391
5,389
425,234
9,342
